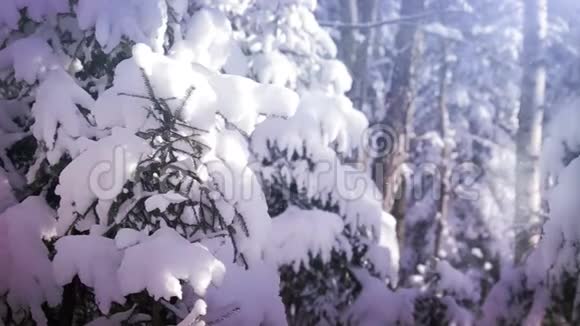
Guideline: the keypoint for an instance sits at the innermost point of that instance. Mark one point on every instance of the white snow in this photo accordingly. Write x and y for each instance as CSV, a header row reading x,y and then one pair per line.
x,y
334,77
194,316
37,10
169,79
30,57
162,201
95,260
231,297
241,100
126,237
143,21
320,124
207,40
274,68
297,235
157,264
26,274
100,173
58,122
229,172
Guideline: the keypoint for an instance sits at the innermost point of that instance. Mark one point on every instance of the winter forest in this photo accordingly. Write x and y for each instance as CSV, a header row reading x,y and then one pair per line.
x,y
289,162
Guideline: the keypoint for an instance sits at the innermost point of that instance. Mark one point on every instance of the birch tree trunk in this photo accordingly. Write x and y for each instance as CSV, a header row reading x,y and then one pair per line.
x,y
530,116
443,207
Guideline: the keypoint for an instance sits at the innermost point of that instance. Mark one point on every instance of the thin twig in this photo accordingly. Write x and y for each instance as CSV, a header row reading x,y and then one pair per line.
x,y
400,20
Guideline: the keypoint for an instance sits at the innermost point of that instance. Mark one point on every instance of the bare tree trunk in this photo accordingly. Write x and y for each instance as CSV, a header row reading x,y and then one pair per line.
x,y
529,134
398,117
348,43
356,44
368,11
443,209
530,116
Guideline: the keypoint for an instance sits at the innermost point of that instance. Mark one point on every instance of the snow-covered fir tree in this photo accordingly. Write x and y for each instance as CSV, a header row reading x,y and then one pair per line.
x,y
133,176
211,162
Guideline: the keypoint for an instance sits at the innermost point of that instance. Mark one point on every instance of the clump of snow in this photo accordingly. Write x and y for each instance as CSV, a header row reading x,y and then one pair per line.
x,y
157,264
297,235
95,260
207,40
100,173
241,100
274,68
30,57
170,79
143,21
26,275
58,120
126,237
237,62
334,77
320,120
231,297
385,253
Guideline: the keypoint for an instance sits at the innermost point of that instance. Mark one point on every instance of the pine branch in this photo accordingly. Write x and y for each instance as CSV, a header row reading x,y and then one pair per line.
x,y
223,317
188,94
145,97
82,216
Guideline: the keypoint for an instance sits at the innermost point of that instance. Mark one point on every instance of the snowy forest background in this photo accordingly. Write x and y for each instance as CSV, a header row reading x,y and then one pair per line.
x,y
289,162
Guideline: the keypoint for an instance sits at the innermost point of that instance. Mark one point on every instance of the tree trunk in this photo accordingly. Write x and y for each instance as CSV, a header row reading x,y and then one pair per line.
x,y
356,44
398,118
348,42
530,116
443,209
